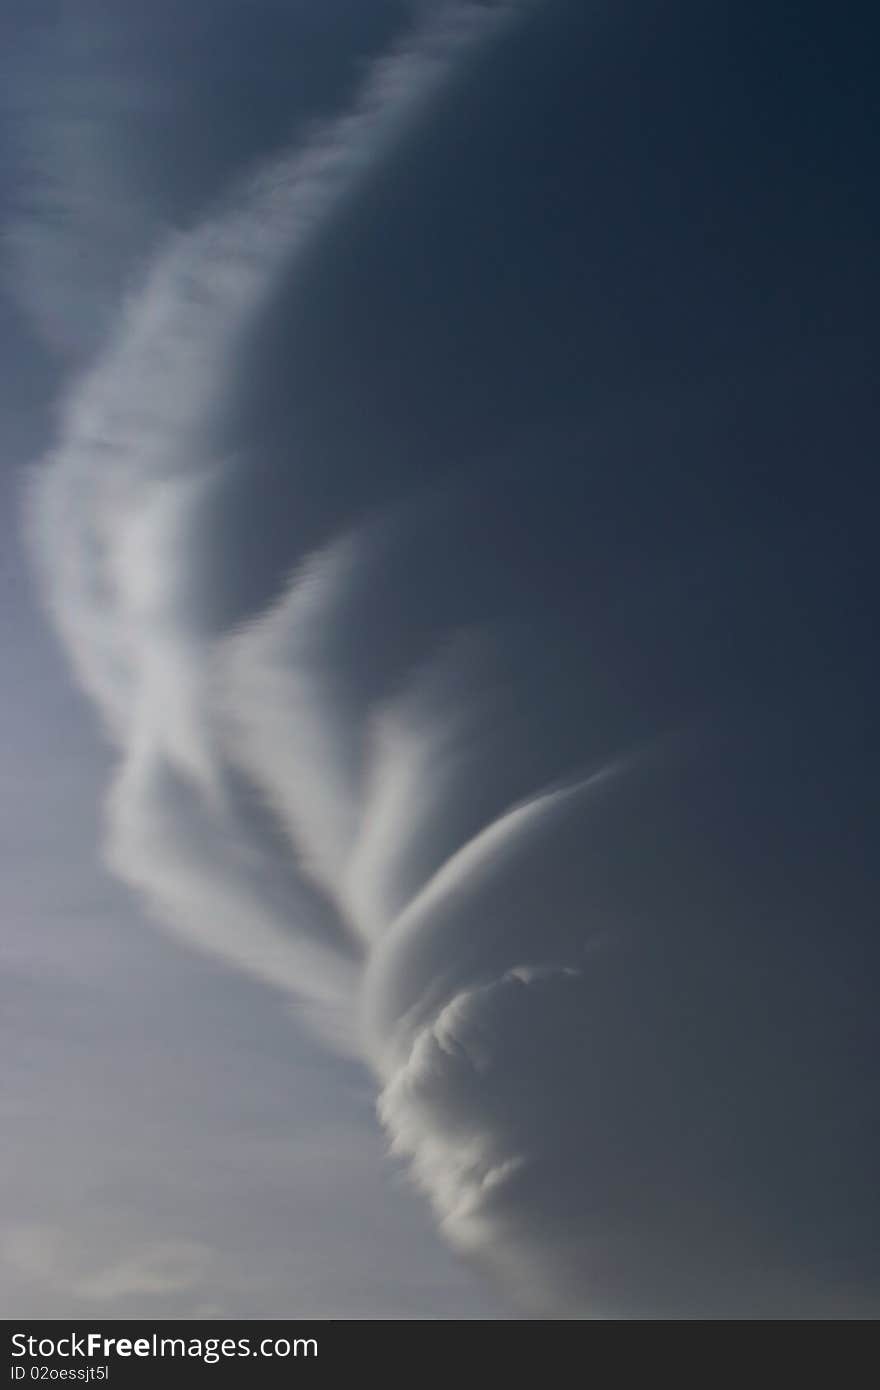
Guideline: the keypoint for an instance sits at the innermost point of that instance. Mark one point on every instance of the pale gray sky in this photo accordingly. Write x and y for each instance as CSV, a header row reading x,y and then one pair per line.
x,y
175,1145
444,818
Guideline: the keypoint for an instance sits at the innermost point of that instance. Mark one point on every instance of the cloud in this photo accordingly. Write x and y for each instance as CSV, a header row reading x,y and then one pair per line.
x,y
47,1255
162,1268
118,140
110,516
416,787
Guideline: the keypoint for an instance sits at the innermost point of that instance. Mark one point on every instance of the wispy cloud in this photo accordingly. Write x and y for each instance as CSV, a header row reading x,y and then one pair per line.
x,y
351,800
110,509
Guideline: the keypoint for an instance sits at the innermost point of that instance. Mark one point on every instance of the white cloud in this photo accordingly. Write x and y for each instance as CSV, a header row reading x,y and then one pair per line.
x,y
380,847
109,515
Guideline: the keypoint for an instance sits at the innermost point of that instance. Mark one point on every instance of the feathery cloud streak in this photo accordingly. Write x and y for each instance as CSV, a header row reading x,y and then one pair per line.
x,y
371,792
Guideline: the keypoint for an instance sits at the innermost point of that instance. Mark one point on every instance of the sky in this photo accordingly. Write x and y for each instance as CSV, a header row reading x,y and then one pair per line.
x,y
439,836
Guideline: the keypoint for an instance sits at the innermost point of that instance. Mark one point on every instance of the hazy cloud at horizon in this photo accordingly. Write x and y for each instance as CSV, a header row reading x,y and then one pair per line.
x,y
456,513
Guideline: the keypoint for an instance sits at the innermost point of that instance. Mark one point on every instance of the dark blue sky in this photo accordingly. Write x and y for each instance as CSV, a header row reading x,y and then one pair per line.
x,y
543,442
